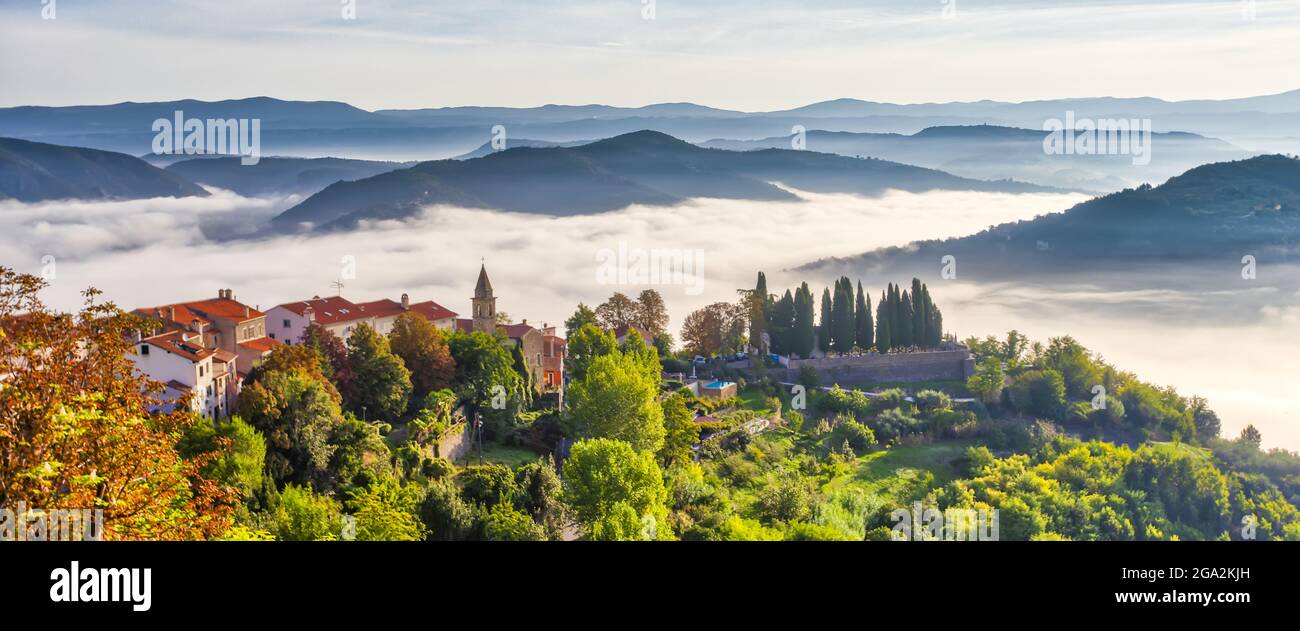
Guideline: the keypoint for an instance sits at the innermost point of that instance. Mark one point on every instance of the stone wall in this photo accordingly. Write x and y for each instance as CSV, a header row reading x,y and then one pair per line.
x,y
454,443
867,369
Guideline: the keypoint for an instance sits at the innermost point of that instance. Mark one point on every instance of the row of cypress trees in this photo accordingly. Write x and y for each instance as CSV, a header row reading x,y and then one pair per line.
x,y
845,320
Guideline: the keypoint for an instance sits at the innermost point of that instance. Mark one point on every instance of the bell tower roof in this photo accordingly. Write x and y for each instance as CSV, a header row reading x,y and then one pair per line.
x,y
484,287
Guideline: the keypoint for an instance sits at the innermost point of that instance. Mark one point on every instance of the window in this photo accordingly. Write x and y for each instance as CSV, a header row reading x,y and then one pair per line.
x,y
144,349
286,323
272,336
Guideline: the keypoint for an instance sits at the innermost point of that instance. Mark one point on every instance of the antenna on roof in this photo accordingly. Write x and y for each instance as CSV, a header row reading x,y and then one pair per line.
x,y
338,285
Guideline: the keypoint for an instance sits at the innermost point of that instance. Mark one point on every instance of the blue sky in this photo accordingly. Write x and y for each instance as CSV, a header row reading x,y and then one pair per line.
x,y
750,55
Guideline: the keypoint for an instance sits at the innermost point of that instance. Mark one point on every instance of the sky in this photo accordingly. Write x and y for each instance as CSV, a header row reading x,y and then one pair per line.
x,y
750,55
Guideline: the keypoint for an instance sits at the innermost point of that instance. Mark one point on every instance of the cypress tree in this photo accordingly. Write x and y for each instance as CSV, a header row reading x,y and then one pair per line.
x,y
882,324
919,313
782,324
863,324
842,319
905,333
824,322
803,322
759,312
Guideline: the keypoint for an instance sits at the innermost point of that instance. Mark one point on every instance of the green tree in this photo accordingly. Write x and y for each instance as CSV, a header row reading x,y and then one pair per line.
x,y
884,339
382,386
864,327
1040,392
301,515
804,336
584,346
297,414
617,399
681,431
239,452
825,322
504,523
843,325
485,372
615,491
583,316
782,324
988,380
445,514
541,495
387,511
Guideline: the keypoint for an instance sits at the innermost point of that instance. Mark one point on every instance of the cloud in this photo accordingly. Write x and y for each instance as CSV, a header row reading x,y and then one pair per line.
x,y
155,251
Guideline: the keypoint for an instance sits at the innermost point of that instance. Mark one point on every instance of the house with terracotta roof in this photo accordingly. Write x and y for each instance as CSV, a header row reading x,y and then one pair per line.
x,y
341,316
186,368
218,323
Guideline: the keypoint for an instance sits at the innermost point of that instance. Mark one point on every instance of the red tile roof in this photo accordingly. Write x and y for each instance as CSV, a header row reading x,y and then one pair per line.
x,y
432,310
331,310
204,311
175,342
262,344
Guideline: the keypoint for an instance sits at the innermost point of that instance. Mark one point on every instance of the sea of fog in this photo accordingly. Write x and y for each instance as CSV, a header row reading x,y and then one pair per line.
x,y
1234,344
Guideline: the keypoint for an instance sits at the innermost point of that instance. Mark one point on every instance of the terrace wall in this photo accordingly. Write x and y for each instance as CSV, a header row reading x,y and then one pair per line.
x,y
868,369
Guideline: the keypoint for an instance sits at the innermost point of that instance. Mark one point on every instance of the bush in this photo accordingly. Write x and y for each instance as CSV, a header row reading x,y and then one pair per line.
x,y
786,500
859,436
930,401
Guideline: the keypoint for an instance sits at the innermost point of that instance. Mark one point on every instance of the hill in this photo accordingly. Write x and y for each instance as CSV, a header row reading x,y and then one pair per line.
x,y
35,171
643,167
1220,211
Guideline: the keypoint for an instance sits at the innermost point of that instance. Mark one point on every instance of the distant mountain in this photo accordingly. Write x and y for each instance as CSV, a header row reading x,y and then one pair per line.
x,y
1216,212
997,152
323,128
644,167
512,143
34,171
278,176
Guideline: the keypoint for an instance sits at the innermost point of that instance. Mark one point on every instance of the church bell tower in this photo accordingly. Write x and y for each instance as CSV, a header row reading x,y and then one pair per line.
x,y
485,304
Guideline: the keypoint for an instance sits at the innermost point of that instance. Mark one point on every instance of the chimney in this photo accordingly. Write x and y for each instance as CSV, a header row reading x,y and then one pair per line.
x,y
406,302
310,314
245,311
525,321
171,312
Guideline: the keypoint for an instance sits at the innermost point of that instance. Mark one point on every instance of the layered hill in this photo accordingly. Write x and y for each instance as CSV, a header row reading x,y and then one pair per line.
x,y
35,171
643,167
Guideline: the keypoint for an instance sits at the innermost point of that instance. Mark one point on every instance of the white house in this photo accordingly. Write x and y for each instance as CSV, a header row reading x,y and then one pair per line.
x,y
185,367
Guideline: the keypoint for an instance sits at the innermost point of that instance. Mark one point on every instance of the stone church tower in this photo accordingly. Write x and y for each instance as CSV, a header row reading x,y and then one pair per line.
x,y
485,304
